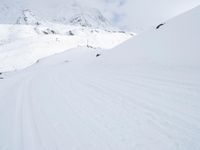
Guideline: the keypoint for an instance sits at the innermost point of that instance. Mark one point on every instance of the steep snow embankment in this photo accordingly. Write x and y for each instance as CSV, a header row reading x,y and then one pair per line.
x,y
175,43
124,99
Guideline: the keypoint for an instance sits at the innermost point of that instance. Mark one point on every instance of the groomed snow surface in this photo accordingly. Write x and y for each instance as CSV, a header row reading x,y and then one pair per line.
x,y
142,95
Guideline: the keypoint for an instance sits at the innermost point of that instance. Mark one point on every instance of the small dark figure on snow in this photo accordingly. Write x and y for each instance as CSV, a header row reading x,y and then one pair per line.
x,y
45,32
71,33
160,25
53,32
97,55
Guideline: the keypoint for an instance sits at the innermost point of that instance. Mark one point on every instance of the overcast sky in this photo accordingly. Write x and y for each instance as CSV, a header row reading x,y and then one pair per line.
x,y
129,14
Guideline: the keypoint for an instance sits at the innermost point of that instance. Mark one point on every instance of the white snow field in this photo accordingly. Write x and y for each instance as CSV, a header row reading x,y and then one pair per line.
x,y
23,45
142,95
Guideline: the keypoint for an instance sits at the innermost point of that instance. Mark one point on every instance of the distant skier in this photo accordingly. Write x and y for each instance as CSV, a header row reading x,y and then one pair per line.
x,y
160,25
97,55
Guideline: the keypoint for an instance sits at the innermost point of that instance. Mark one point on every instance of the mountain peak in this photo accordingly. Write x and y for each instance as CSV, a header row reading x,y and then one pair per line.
x,y
89,18
28,18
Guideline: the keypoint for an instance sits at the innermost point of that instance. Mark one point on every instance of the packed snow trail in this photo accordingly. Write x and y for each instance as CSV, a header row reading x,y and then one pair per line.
x,y
77,106
142,95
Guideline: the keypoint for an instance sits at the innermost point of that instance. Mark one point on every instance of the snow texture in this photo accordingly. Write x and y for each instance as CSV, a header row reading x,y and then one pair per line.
x,y
142,95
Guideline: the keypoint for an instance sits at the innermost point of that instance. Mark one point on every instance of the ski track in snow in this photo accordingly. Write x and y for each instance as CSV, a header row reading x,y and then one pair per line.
x,y
142,95
103,109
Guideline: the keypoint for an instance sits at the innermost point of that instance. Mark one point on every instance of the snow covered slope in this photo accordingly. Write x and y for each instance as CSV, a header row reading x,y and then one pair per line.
x,y
175,43
22,45
131,97
32,37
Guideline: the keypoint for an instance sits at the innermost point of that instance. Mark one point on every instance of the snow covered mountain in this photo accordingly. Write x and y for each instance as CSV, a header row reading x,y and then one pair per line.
x,y
41,37
20,13
29,18
86,18
23,45
90,18
143,94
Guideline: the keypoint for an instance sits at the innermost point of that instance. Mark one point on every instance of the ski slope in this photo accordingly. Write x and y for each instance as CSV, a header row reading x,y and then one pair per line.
x,y
24,45
142,95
